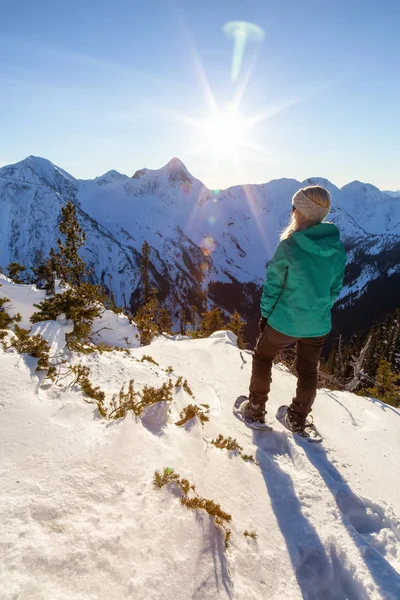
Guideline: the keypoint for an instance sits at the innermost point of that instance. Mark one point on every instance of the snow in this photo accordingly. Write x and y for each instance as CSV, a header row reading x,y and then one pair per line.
x,y
22,298
80,519
109,328
115,330
54,333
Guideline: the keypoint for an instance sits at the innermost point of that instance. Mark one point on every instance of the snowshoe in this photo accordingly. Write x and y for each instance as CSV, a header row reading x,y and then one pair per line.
x,y
307,430
239,410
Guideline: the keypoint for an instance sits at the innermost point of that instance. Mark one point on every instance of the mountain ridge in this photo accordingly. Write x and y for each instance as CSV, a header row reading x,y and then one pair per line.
x,y
200,239
177,164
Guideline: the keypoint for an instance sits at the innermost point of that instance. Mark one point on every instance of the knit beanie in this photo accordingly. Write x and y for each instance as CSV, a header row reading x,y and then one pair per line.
x,y
309,209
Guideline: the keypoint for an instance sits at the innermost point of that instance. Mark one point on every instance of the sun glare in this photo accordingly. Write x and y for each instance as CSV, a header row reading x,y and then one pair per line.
x,y
224,135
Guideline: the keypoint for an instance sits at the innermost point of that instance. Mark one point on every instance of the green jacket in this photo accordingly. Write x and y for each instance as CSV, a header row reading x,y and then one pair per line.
x,y
304,278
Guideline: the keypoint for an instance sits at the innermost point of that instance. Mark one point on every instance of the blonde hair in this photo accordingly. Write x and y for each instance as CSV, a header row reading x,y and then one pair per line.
x,y
298,222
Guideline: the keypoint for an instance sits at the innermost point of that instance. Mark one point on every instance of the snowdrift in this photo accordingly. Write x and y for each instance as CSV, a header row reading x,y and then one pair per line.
x,y
109,328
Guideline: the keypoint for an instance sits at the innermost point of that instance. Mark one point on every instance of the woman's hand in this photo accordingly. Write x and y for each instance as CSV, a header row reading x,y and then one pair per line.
x,y
262,323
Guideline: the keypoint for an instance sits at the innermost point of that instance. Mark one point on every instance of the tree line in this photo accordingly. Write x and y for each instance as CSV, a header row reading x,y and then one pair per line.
x,y
366,365
82,300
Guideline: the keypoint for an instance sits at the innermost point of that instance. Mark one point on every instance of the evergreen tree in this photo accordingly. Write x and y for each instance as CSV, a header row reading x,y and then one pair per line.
x,y
152,319
236,325
15,271
211,321
388,384
393,350
82,305
82,301
331,362
5,319
146,319
194,319
164,321
144,271
44,273
182,321
69,266
340,363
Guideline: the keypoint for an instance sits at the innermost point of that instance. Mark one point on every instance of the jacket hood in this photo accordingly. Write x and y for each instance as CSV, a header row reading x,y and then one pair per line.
x,y
322,239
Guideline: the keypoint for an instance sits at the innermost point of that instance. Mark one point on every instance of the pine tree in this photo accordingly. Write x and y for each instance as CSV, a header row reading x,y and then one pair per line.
x,y
393,353
15,270
82,301
152,319
211,321
340,363
82,305
182,321
331,362
194,319
146,319
43,271
69,266
5,319
164,321
236,325
144,271
388,388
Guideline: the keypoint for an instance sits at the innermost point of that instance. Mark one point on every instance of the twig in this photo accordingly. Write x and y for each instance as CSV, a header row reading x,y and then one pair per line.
x,y
101,329
356,363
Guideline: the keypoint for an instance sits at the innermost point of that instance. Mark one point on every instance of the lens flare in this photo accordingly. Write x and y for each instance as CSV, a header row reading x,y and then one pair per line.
x,y
185,187
208,245
241,32
211,220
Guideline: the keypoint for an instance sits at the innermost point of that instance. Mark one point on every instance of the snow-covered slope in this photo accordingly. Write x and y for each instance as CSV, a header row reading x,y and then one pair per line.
x,y
80,518
197,236
22,299
110,328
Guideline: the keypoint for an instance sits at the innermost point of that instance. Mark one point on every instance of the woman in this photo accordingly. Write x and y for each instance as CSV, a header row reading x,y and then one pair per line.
x,y
304,278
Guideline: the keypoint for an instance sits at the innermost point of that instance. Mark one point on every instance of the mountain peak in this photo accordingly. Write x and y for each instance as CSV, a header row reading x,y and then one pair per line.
x,y
39,171
175,163
35,169
177,171
322,181
360,186
110,177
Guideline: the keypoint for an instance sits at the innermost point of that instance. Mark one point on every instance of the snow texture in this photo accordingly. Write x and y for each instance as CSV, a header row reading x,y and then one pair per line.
x,y
115,330
54,333
22,298
80,519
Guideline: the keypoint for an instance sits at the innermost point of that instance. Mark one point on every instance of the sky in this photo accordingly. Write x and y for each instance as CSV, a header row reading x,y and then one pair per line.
x,y
94,86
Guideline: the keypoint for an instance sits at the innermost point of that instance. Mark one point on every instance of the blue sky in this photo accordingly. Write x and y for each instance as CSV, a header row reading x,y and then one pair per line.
x,y
123,85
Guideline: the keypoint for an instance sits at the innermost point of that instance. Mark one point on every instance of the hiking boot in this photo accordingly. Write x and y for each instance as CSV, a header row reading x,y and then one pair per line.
x,y
254,413
299,425
250,414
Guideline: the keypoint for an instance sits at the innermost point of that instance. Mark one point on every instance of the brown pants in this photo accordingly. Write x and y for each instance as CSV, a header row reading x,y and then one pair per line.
x,y
308,352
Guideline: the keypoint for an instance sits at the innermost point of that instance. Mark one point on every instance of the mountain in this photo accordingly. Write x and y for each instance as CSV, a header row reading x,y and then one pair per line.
x,y
394,194
204,243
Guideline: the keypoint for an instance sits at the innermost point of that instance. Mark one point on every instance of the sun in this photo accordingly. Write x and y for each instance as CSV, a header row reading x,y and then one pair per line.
x,y
224,135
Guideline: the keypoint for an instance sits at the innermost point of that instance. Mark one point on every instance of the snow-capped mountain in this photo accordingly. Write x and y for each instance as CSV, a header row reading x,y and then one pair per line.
x,y
201,240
